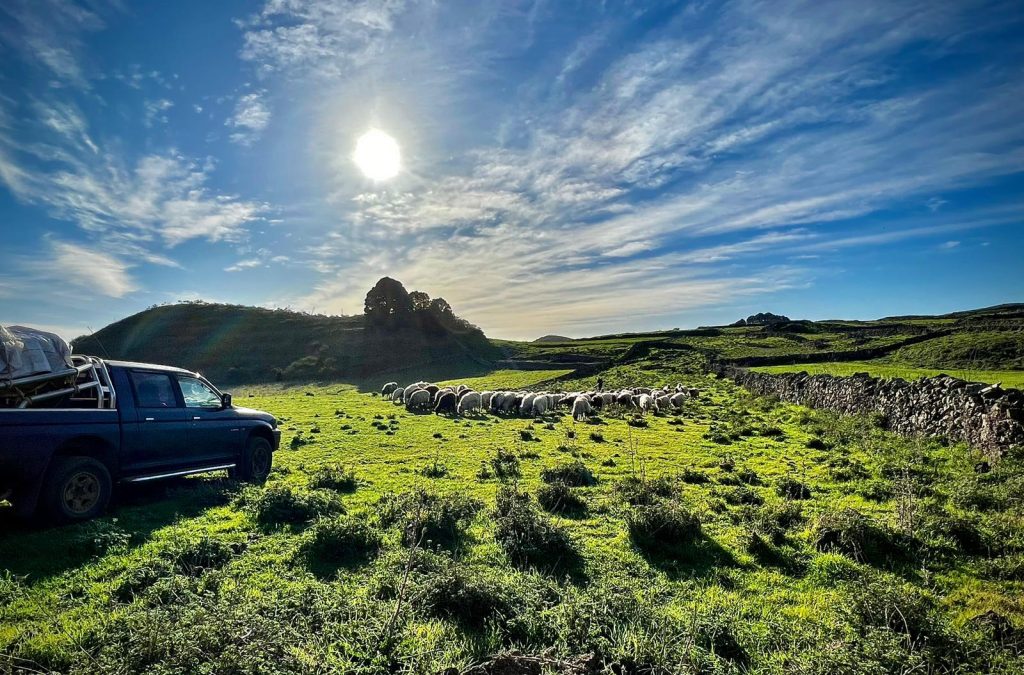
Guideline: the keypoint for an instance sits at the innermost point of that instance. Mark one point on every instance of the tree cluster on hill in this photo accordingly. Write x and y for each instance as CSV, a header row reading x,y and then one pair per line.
x,y
390,307
762,319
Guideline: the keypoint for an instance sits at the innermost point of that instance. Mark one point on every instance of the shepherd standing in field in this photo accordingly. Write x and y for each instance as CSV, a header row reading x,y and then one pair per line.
x,y
600,384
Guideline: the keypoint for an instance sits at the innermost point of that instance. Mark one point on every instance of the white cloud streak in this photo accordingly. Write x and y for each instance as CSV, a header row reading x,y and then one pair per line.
x,y
250,118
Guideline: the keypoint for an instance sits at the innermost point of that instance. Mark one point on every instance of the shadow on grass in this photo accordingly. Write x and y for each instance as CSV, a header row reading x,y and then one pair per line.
x,y
37,551
699,558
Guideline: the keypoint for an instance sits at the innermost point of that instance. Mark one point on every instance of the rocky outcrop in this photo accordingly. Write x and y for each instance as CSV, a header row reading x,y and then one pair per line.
x,y
987,417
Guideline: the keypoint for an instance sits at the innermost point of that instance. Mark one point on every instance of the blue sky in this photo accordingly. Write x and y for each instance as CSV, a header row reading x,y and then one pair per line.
x,y
576,168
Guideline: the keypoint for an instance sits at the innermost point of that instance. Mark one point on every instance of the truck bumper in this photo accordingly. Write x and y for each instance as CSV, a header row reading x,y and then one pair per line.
x,y
277,438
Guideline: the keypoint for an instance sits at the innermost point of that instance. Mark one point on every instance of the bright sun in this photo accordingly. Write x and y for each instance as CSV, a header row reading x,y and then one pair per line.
x,y
377,155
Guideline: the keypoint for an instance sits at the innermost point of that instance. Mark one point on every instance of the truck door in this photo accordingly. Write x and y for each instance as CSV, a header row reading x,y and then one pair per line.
x,y
160,436
214,431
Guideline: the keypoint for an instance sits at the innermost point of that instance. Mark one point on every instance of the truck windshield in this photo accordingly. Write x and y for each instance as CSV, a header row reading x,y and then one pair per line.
x,y
198,394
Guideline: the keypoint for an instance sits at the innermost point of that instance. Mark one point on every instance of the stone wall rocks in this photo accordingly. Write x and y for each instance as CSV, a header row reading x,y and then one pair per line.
x,y
987,417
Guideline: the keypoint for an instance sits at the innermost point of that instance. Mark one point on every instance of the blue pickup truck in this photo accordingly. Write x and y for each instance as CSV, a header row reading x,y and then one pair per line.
x,y
63,451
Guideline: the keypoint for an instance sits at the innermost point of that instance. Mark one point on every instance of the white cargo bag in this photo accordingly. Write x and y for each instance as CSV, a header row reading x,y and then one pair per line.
x,y
27,351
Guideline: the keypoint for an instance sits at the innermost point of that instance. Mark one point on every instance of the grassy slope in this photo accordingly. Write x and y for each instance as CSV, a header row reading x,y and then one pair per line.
x,y
238,596
885,369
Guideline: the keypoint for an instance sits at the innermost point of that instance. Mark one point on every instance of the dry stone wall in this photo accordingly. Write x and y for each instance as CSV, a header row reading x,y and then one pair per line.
x,y
987,417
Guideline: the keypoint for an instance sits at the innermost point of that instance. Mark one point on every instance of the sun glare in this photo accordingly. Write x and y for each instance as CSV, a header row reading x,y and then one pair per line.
x,y
377,155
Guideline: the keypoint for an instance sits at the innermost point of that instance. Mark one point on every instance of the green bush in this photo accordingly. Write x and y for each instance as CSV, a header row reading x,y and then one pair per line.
x,y
192,557
281,504
642,492
528,538
427,518
741,494
334,477
664,527
852,533
790,488
574,474
505,465
558,497
341,541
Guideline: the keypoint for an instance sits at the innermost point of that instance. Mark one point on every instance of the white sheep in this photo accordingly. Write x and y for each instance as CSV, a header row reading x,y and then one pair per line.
x,y
526,408
678,399
496,400
646,402
388,388
663,403
541,404
607,398
581,408
469,401
485,399
398,394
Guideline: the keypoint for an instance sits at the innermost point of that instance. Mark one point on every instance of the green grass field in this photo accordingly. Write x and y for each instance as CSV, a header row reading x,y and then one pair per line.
x,y
1008,378
738,536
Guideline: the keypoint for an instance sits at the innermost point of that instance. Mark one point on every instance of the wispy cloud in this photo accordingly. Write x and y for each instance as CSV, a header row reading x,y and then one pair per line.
x,y
250,118
156,111
158,199
48,34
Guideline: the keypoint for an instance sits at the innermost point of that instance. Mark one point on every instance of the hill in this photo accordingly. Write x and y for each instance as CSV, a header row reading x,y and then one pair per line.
x,y
233,343
980,344
553,338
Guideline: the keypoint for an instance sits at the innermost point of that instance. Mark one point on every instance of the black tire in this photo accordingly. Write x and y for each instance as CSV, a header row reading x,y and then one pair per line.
x,y
76,489
256,461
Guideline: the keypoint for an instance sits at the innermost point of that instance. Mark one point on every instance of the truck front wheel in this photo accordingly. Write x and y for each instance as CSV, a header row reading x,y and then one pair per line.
x,y
77,488
256,461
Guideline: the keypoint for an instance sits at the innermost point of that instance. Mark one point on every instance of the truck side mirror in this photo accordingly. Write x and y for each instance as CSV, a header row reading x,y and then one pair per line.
x,y
225,400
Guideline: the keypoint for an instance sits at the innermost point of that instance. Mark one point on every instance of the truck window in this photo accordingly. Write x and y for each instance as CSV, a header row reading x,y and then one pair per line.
x,y
154,390
198,394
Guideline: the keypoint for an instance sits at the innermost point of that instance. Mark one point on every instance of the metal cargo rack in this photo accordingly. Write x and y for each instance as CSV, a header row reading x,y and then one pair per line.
x,y
87,374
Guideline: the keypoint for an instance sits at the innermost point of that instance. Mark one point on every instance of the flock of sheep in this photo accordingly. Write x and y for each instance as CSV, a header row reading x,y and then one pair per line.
x,y
462,399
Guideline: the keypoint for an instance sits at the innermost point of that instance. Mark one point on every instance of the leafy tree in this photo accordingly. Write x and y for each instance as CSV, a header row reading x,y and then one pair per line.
x,y
388,303
420,301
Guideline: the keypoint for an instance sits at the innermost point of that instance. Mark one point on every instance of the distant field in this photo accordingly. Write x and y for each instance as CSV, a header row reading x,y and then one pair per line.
x,y
1009,378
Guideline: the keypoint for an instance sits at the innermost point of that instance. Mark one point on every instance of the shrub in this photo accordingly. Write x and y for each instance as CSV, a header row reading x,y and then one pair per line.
x,y
790,488
434,470
638,421
526,434
447,589
334,477
280,504
741,494
574,474
427,517
827,569
694,477
749,476
642,492
528,538
192,557
875,489
852,533
505,464
663,527
816,444
341,541
597,436
558,497
97,537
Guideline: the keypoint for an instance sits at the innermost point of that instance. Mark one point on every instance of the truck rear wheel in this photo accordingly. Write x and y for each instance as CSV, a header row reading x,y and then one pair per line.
x,y
256,461
77,488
